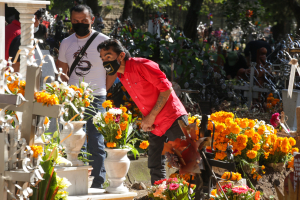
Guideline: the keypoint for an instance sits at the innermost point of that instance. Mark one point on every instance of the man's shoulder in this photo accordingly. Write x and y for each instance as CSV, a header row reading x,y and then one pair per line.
x,y
101,37
141,60
68,39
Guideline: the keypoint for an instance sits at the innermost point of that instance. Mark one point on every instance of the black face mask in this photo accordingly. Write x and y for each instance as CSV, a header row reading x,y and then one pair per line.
x,y
81,29
111,67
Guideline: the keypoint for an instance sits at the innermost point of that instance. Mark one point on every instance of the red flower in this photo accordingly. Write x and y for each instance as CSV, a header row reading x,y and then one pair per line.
x,y
275,120
159,182
249,13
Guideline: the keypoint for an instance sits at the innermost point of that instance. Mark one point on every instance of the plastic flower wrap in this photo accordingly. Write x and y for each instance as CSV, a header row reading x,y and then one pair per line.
x,y
172,188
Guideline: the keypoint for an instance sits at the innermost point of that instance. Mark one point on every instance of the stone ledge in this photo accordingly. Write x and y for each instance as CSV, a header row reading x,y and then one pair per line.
x,y
97,194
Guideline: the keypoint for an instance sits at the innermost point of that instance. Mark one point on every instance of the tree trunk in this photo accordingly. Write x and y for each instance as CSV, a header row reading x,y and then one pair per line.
x,y
294,6
127,10
191,21
94,5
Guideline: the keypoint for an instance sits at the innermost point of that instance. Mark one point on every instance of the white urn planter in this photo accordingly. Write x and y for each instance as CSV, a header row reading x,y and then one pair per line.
x,y
116,165
74,142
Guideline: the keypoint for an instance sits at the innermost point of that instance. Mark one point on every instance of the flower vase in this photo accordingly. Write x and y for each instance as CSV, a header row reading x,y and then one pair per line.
x,y
278,167
73,142
116,166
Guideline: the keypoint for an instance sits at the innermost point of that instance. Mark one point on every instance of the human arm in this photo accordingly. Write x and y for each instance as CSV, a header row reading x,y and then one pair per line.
x,y
110,81
162,99
65,70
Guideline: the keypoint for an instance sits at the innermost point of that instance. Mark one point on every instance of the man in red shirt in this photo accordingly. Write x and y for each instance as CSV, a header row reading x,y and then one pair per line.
x,y
152,92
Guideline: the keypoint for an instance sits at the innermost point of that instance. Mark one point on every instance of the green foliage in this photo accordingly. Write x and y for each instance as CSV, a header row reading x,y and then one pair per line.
x,y
153,4
236,13
209,6
100,3
110,7
62,7
46,188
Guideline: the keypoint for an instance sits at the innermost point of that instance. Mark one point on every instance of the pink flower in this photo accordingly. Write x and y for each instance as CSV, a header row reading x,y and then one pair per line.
x,y
173,186
117,119
172,180
240,190
225,187
275,119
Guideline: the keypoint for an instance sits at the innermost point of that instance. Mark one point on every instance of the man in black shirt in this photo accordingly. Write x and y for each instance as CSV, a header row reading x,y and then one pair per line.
x,y
252,48
234,62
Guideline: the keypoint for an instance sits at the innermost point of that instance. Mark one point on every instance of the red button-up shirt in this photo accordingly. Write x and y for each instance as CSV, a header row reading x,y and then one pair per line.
x,y
12,30
144,81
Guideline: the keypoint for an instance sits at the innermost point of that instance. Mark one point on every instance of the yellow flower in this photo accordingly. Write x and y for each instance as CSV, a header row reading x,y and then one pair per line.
x,y
294,150
106,104
251,123
144,144
249,132
244,123
37,150
214,192
251,154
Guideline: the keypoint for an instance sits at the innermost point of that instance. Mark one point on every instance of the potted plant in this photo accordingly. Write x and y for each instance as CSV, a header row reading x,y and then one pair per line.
x,y
116,127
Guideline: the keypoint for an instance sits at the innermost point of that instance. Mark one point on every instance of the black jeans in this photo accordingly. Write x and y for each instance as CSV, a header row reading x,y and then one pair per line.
x,y
156,161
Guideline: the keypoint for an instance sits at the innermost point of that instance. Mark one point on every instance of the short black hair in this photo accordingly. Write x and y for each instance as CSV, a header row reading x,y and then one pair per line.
x,y
11,12
115,45
81,8
39,13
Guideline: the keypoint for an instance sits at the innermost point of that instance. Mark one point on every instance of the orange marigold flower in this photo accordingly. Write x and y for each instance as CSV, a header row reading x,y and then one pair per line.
x,y
256,138
124,109
251,154
214,192
123,125
251,123
220,155
106,104
256,147
46,120
266,154
144,144
118,137
257,194
111,144
261,130
292,141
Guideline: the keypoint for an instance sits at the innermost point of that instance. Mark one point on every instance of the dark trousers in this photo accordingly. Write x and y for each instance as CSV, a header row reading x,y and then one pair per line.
x,y
156,161
96,145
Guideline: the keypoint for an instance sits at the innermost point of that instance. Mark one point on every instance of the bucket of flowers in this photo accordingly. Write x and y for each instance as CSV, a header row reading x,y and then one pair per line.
x,y
172,188
116,126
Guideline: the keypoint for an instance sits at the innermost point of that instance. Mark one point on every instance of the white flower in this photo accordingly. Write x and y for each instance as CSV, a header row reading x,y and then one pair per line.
x,y
115,111
83,84
55,84
64,86
191,191
65,182
97,118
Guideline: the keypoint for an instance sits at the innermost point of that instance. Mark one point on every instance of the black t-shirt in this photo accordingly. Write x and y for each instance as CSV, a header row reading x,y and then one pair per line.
x,y
253,46
14,47
232,70
40,34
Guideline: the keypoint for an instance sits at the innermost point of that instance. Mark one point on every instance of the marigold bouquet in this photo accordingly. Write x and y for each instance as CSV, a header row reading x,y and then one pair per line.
x,y
246,136
172,188
235,192
14,84
73,97
116,127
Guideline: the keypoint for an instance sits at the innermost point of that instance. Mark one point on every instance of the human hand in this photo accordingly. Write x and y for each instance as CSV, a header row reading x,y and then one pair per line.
x,y
147,123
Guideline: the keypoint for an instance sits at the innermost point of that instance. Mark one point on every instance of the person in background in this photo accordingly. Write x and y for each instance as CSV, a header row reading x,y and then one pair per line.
x,y
252,47
99,23
90,68
152,92
12,35
234,63
40,30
